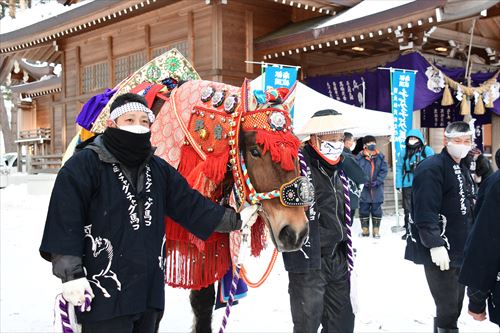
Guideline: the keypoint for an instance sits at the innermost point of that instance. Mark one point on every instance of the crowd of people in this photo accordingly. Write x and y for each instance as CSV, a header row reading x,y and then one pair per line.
x,y
451,228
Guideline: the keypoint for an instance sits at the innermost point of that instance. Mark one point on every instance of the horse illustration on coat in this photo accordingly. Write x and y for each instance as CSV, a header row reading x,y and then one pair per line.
x,y
102,246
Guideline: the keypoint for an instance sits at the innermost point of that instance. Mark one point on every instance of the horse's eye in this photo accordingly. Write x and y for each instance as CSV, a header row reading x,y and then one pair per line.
x,y
255,152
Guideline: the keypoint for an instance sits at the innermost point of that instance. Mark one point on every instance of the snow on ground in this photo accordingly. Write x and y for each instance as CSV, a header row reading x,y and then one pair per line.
x,y
393,294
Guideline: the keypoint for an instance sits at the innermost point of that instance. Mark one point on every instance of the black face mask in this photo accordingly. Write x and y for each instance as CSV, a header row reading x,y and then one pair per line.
x,y
129,148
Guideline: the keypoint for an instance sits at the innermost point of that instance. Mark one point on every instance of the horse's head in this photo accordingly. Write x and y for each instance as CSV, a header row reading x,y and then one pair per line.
x,y
222,124
268,165
98,246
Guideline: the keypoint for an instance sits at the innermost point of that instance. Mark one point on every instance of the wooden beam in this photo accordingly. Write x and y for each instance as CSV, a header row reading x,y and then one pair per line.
x,y
352,65
249,40
345,3
463,38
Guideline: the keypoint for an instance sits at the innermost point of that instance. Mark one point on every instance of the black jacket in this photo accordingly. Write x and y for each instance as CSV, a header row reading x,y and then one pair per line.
x,y
114,221
327,225
443,200
481,266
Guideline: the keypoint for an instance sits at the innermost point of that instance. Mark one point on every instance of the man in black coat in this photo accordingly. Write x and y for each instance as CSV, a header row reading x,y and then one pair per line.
x,y
105,231
443,202
354,189
481,268
319,273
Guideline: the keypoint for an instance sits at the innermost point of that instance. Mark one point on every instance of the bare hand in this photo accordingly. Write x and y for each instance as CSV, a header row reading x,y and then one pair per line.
x,y
478,316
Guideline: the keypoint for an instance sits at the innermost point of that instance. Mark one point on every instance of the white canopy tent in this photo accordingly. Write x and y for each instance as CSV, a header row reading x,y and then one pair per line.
x,y
308,101
364,121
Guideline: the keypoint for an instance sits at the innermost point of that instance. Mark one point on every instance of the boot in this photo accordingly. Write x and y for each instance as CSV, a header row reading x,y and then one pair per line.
x,y
447,330
376,227
365,224
435,330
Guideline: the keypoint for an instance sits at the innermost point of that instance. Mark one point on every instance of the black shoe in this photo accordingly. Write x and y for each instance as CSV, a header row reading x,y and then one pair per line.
x,y
404,236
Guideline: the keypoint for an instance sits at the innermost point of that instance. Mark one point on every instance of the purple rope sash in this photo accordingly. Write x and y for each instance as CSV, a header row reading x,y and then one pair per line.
x,y
348,221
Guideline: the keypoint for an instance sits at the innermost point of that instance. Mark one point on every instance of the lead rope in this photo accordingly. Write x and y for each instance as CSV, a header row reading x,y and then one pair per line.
x,y
348,221
62,309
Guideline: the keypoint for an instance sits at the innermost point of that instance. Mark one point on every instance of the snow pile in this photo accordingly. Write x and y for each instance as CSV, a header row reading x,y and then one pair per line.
x,y
35,14
393,293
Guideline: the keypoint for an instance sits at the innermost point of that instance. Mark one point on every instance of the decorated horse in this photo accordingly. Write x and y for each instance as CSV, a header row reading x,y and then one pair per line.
x,y
235,147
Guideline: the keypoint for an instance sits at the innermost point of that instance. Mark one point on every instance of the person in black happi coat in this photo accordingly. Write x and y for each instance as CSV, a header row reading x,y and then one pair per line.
x,y
105,231
481,268
443,200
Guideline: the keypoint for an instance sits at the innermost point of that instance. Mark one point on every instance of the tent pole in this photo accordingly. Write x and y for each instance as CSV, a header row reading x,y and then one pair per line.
x,y
397,227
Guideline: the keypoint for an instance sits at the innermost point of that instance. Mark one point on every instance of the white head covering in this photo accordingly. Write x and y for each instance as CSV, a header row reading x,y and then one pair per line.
x,y
130,107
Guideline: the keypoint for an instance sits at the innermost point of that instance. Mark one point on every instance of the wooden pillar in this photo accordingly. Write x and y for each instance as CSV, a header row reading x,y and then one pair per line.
x,y
249,40
190,36
78,82
147,41
495,136
217,37
52,143
111,63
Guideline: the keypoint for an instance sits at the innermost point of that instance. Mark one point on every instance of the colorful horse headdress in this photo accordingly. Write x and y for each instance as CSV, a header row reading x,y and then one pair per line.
x,y
268,114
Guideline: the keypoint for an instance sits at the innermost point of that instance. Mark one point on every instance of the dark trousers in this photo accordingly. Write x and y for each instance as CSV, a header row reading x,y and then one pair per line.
x,y
322,297
448,295
407,206
146,322
367,208
353,212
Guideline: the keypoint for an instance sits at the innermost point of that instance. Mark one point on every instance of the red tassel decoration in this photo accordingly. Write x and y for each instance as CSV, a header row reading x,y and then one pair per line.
x,y
258,237
284,147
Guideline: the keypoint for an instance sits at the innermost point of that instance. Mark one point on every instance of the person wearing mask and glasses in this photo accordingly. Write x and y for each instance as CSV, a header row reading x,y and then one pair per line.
x,y
443,200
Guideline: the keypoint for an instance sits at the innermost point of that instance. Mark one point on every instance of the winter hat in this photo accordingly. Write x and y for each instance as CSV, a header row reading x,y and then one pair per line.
x,y
369,138
127,103
326,122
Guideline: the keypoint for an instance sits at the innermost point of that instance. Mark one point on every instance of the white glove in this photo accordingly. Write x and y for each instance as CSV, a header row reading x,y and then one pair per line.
x,y
248,216
74,291
440,257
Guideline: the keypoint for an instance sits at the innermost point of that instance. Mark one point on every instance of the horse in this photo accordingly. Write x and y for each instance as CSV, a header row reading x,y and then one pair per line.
x,y
236,146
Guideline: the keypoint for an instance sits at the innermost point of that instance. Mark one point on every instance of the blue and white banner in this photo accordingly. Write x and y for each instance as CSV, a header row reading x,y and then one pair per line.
x,y
280,77
402,96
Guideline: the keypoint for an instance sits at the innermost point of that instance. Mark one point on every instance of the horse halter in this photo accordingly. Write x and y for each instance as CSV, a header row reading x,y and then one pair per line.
x,y
297,192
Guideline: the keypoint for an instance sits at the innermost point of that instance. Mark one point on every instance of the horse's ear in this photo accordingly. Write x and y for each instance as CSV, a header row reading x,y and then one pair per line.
x,y
289,99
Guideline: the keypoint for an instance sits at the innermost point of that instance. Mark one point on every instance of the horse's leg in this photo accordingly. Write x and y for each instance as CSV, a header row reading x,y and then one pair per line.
x,y
202,303
112,275
98,285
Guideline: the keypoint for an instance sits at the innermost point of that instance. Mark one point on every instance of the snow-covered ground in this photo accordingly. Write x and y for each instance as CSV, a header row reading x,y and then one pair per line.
x,y
393,294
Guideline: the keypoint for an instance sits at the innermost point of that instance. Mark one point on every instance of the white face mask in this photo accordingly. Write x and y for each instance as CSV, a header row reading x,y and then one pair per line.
x,y
458,151
331,150
352,147
412,141
137,129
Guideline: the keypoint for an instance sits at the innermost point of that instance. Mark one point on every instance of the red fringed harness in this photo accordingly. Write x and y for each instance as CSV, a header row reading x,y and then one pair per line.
x,y
218,113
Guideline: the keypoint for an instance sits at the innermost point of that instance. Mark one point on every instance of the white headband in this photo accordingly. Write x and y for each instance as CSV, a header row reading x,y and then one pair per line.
x,y
129,107
456,134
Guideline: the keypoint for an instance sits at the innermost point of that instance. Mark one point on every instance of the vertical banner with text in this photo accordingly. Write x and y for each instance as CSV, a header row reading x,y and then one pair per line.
x,y
280,77
402,96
